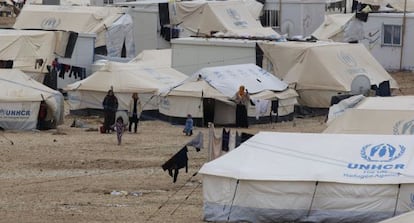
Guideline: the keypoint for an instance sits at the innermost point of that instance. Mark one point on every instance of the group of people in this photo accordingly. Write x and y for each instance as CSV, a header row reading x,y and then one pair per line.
x,y
110,107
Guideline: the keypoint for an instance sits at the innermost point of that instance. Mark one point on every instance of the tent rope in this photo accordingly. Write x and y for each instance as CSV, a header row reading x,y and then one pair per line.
x,y
168,199
313,198
396,200
186,198
232,200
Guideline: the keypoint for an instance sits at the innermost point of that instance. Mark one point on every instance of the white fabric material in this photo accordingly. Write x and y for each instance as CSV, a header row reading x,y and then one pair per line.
x,y
333,26
341,158
228,18
125,78
25,46
337,110
227,79
397,4
80,19
297,177
20,97
403,218
261,107
321,70
120,32
377,115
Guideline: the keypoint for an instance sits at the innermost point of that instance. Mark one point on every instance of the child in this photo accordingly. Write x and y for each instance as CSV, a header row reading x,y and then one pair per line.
x,y
188,129
119,127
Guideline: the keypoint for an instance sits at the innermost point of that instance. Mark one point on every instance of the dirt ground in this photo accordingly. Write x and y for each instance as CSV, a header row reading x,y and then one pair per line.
x,y
75,175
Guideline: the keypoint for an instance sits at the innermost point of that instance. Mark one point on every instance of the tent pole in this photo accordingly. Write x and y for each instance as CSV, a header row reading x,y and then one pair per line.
x,y
313,198
403,33
232,200
396,200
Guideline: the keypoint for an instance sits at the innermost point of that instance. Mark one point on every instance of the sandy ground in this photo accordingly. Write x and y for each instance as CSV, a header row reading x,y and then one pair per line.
x,y
68,174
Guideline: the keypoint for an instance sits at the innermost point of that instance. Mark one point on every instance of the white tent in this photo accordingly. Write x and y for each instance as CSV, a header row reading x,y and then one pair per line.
x,y
24,47
220,84
80,19
376,115
20,98
227,18
321,70
403,218
303,177
333,27
124,78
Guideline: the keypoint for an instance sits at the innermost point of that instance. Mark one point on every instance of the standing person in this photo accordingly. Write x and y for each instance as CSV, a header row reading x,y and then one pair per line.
x,y
119,127
134,112
110,105
242,100
41,117
188,128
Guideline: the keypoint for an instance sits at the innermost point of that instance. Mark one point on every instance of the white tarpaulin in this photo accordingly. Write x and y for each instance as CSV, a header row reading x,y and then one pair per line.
x,y
24,47
228,18
228,79
20,97
321,70
297,177
119,33
125,79
333,26
80,19
376,115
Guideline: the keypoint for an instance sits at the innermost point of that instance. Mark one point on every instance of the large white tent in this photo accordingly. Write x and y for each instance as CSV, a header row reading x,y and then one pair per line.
x,y
306,177
80,19
320,70
376,115
124,79
26,47
221,18
20,98
220,84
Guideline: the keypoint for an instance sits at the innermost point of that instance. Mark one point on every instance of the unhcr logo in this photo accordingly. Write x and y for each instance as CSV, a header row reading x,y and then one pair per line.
x,y
50,23
382,152
404,128
347,59
380,155
236,17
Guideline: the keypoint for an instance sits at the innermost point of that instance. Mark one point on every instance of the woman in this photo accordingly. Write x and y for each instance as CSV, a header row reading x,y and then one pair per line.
x,y
134,111
242,100
110,106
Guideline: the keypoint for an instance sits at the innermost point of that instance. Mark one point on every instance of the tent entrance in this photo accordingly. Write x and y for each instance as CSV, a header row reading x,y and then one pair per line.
x,y
208,110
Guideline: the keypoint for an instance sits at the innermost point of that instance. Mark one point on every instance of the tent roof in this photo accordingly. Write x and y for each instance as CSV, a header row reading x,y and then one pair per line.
x,y
341,158
402,103
129,77
229,18
25,46
323,65
332,25
376,115
227,79
16,86
159,58
80,19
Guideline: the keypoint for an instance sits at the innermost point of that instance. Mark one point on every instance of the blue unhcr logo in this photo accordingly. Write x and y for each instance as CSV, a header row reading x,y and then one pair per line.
x,y
382,152
404,128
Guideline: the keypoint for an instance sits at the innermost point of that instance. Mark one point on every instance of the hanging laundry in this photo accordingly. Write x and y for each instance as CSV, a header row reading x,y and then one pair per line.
x,y
197,142
232,141
176,162
238,139
261,107
225,138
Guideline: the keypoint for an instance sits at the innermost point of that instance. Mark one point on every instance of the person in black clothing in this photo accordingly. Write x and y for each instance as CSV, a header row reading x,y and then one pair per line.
x,y
242,100
110,106
134,112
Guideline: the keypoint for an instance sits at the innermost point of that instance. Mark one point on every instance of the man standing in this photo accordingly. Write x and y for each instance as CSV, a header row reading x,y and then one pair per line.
x,y
110,106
